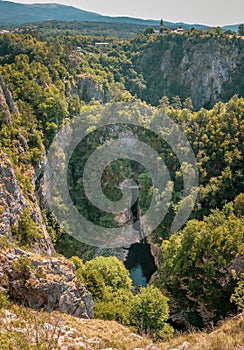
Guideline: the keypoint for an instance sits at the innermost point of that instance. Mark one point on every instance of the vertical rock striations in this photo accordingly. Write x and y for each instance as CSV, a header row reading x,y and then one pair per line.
x,y
7,105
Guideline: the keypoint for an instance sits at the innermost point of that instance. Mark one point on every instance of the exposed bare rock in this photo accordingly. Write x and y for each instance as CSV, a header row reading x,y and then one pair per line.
x,y
12,200
211,66
119,253
7,105
87,89
43,282
40,281
203,68
35,277
12,203
156,253
237,264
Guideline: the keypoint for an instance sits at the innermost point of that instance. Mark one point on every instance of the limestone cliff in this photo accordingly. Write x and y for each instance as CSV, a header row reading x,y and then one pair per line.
x,y
41,281
12,203
7,105
87,89
29,272
207,69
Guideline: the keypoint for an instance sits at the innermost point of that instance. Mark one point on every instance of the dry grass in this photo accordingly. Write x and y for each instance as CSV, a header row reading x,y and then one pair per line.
x,y
26,329
228,336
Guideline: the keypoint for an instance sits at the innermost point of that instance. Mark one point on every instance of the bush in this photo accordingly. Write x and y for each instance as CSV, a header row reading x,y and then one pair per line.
x,y
150,312
4,302
111,270
238,296
22,267
28,231
94,283
239,205
115,305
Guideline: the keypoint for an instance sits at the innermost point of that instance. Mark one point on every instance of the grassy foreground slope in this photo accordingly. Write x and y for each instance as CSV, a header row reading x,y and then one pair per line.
x,y
229,336
23,329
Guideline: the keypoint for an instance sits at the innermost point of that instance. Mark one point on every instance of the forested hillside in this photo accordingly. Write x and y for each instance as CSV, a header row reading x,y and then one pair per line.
x,y
17,13
194,79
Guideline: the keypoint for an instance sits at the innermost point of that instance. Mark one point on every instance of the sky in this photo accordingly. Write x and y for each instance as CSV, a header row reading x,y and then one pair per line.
x,y
209,12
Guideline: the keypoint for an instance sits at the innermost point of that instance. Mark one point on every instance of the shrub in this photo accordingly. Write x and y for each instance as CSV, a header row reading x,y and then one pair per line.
x,y
111,270
28,231
238,296
115,305
150,312
4,302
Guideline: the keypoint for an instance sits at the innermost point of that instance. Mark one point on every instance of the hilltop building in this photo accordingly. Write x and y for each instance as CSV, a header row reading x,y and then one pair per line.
x,y
164,30
179,30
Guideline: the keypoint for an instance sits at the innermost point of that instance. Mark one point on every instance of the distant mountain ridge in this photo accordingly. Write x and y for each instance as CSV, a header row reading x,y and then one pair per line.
x,y
16,13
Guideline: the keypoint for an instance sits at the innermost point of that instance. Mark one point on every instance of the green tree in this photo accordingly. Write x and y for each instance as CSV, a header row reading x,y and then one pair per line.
x,y
238,296
150,312
28,231
241,29
108,281
164,102
176,102
239,205
115,305
214,31
195,268
188,103
111,270
148,31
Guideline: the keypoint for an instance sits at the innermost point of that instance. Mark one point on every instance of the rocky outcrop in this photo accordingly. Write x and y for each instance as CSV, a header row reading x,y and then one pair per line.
x,y
206,68
40,281
32,277
237,265
7,105
156,252
12,203
12,200
44,282
87,89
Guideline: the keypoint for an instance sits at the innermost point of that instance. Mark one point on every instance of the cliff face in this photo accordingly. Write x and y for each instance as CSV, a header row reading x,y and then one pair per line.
x,y
44,282
87,89
12,203
41,281
205,68
7,105
32,274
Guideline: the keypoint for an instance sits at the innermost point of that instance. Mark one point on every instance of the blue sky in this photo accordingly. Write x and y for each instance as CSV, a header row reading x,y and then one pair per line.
x,y
211,12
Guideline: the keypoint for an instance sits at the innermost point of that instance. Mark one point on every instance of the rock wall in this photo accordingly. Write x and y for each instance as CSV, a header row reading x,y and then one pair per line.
x,y
7,105
207,69
40,281
87,89
12,203
44,282
32,275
